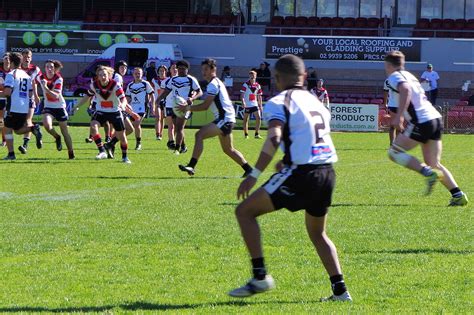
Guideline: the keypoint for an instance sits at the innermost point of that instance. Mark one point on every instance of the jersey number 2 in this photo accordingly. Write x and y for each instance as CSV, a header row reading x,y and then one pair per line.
x,y
319,125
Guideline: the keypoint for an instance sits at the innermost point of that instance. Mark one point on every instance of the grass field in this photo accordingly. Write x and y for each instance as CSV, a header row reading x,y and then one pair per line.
x,y
101,236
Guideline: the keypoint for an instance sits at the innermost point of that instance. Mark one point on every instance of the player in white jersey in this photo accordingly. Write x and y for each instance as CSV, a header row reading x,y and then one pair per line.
x,y
424,128
390,104
51,84
169,104
251,96
156,83
224,113
299,123
141,97
33,71
18,91
4,69
186,86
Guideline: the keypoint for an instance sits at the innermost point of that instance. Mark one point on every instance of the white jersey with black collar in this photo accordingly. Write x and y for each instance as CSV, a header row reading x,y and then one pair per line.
x,y
306,132
20,83
222,106
419,110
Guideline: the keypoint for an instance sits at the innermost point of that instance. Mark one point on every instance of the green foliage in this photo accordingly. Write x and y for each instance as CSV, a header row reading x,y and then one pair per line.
x,y
101,236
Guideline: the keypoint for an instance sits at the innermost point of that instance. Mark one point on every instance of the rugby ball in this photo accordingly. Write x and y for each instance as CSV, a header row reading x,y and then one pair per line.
x,y
179,101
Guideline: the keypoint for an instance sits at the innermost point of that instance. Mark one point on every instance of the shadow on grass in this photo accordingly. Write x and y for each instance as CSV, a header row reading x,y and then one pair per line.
x,y
137,306
419,251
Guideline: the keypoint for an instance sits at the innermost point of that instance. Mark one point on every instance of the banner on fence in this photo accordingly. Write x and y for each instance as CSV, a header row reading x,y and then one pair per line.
x,y
354,117
338,48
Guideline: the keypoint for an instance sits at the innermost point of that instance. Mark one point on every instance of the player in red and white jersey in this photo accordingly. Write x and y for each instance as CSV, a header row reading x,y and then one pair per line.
x,y
251,96
51,83
4,69
141,97
33,71
321,93
110,101
18,91
156,83
424,129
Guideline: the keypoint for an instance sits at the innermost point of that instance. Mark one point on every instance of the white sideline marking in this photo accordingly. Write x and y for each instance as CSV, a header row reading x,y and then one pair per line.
x,y
71,194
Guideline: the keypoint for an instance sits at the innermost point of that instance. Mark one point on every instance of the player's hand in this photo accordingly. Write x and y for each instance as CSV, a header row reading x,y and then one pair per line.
x,y
245,187
135,116
279,166
43,82
189,101
37,100
184,108
397,123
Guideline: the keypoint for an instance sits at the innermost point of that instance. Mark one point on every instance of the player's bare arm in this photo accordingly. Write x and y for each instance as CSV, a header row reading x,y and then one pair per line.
x,y
269,148
163,95
195,95
201,107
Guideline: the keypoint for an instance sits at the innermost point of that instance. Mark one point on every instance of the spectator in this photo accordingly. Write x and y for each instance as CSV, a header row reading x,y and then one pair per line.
x,y
226,77
264,76
431,77
312,78
150,72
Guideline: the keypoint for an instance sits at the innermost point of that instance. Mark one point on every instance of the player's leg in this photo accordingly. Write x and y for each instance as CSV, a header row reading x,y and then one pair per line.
x,y
123,145
67,138
94,131
158,122
108,131
208,131
137,125
180,146
246,124
432,156
162,121
27,135
327,252
170,122
2,127
48,125
9,143
258,203
258,121
227,145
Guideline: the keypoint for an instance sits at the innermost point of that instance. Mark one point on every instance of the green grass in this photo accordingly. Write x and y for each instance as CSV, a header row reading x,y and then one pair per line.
x,y
100,236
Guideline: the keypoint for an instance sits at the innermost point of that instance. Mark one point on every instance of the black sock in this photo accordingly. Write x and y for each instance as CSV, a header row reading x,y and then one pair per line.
x,y
246,134
25,142
114,141
124,148
456,192
139,140
258,268
183,145
11,153
247,167
337,284
192,163
426,171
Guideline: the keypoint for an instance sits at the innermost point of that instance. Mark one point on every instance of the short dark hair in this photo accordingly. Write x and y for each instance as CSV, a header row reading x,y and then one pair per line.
x,y
15,59
290,65
395,58
212,63
182,63
26,51
119,64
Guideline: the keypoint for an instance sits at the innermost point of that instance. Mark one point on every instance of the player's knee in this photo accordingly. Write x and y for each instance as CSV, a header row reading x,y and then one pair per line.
x,y
398,155
241,211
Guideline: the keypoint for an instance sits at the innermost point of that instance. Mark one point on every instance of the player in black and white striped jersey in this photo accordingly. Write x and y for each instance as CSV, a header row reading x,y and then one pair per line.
x,y
187,87
19,92
218,100
299,122
424,129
